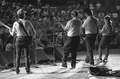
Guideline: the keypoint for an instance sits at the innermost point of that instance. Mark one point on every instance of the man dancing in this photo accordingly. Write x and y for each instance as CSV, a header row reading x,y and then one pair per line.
x,y
91,29
71,44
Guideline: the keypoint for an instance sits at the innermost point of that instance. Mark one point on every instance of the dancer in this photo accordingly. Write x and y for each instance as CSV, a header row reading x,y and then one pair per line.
x,y
24,31
107,33
71,44
90,26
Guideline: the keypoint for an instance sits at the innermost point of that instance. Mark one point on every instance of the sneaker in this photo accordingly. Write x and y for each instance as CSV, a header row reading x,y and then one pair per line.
x,y
17,72
105,62
29,72
98,61
87,64
72,68
63,66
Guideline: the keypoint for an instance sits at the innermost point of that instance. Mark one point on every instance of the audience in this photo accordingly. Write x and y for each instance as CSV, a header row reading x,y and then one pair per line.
x,y
44,18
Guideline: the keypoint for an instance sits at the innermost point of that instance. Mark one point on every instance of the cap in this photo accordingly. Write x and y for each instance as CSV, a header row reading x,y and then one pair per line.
x,y
21,13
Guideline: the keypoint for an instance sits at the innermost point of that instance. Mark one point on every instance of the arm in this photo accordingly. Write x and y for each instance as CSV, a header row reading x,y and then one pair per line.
x,y
97,23
82,29
13,30
66,28
63,26
102,30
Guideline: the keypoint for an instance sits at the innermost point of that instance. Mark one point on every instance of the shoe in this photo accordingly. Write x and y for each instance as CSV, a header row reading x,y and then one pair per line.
x,y
63,66
98,61
29,72
72,68
105,61
87,65
17,72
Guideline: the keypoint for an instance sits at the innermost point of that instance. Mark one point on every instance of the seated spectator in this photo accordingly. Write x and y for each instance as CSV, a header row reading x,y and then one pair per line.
x,y
1,45
8,47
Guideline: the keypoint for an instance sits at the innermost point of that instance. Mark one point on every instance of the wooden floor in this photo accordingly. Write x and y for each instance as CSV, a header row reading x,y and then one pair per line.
x,y
49,71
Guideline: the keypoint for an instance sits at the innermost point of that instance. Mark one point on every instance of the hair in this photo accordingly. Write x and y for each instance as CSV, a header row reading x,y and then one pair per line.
x,y
74,13
88,11
21,13
107,17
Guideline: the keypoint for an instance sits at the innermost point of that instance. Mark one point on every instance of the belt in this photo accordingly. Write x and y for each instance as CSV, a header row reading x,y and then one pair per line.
x,y
22,36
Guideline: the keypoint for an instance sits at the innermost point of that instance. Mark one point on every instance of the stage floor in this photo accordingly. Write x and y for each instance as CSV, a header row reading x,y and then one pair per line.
x,y
49,71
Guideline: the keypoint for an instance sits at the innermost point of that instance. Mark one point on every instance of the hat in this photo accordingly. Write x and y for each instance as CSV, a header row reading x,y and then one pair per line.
x,y
21,13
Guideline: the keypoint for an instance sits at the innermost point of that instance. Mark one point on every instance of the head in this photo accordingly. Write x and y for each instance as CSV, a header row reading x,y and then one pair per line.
x,y
74,13
21,13
87,12
107,19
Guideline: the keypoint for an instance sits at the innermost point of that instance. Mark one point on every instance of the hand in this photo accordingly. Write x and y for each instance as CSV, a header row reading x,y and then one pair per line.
x,y
10,30
100,31
63,26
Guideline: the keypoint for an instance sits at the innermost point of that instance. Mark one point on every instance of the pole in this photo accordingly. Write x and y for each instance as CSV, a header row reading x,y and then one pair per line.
x,y
54,63
53,44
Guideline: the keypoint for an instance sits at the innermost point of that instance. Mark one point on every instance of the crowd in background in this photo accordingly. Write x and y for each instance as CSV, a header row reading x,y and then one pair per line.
x,y
46,20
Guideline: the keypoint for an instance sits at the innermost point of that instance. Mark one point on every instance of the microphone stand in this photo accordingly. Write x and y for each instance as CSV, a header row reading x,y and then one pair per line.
x,y
53,43
54,63
35,53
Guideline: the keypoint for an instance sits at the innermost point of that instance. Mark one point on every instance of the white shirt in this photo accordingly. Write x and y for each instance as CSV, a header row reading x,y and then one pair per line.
x,y
106,30
90,25
73,27
20,32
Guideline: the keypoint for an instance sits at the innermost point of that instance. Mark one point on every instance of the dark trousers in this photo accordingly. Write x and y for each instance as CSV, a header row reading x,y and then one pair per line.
x,y
90,40
22,46
71,46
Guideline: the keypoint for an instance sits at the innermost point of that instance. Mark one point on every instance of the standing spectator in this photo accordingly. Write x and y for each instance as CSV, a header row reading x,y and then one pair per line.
x,y
5,37
1,45
98,6
8,47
